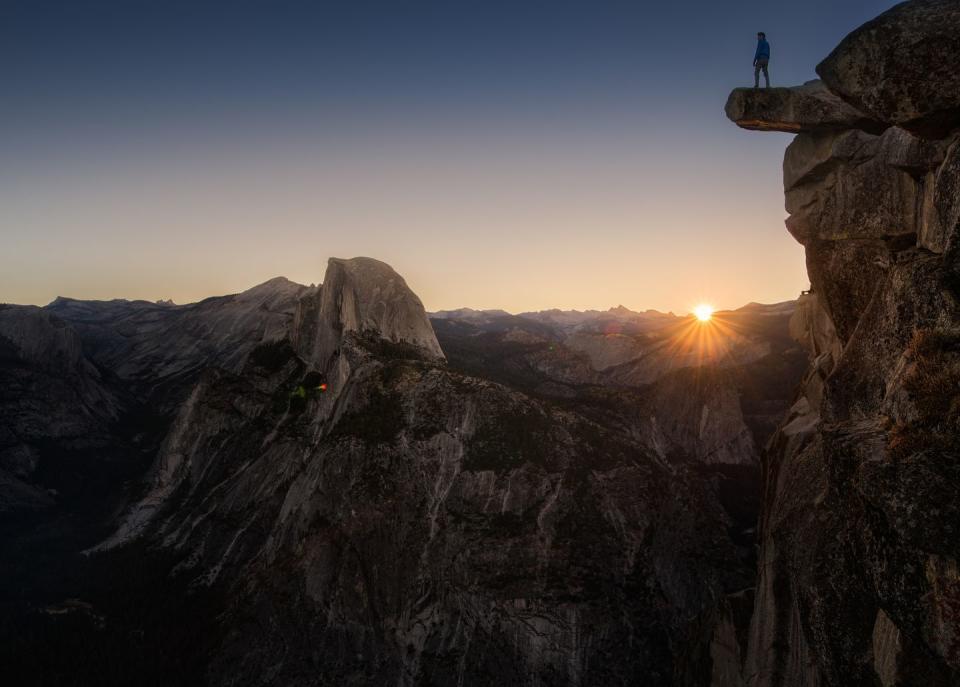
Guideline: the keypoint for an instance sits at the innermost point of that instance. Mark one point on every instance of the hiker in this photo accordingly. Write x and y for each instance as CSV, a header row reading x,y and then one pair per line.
x,y
761,59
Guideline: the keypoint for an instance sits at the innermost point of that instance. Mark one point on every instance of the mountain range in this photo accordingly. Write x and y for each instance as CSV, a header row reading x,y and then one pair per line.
x,y
354,490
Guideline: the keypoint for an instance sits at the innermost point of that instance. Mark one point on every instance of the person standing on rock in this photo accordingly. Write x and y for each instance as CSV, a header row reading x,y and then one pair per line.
x,y
761,60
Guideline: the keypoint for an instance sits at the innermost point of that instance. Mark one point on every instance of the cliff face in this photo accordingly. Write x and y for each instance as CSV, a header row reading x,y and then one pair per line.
x,y
54,404
421,527
359,296
860,537
361,305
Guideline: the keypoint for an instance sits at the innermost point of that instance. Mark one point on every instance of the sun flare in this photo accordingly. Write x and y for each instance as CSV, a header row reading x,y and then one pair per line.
x,y
703,312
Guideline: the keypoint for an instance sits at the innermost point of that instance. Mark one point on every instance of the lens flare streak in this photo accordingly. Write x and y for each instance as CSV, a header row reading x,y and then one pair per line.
x,y
697,342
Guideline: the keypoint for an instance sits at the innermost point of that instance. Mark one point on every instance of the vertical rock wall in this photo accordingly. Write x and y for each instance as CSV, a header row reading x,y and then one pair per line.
x,y
858,577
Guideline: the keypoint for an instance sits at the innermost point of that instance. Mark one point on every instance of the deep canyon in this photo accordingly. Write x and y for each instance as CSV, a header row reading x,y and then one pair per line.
x,y
327,485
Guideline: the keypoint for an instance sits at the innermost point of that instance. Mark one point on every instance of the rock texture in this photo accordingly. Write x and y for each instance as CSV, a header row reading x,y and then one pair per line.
x,y
860,534
53,403
903,67
426,528
358,296
138,340
808,108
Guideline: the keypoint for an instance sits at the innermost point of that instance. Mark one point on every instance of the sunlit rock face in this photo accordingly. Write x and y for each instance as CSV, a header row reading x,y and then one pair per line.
x,y
858,575
358,296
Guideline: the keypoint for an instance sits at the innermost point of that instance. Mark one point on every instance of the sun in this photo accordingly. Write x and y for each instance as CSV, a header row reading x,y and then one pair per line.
x,y
703,312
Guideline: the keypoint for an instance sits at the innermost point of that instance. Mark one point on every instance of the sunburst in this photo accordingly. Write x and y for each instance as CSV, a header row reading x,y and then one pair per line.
x,y
703,312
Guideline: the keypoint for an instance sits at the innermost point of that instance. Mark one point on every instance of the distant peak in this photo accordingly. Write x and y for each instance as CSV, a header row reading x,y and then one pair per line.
x,y
362,295
275,283
272,288
621,310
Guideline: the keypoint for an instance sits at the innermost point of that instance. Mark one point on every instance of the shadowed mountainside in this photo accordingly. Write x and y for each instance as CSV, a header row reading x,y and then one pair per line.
x,y
295,486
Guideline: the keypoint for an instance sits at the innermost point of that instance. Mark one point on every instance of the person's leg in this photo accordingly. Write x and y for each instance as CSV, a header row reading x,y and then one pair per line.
x,y
766,74
756,75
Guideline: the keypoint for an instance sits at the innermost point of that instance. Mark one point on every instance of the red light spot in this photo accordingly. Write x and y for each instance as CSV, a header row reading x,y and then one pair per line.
x,y
322,387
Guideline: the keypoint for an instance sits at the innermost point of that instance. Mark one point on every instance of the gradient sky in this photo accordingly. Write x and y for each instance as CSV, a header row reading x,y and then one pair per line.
x,y
498,153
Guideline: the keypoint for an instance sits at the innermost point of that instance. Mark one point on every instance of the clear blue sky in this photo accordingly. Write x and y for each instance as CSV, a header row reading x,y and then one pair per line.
x,y
498,154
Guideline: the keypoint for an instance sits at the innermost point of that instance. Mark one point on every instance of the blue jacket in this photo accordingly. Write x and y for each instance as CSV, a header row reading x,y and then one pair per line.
x,y
763,50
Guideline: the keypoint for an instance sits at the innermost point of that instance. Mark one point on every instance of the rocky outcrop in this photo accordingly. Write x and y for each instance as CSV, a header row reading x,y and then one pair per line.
x,y
361,303
358,296
903,67
809,108
859,546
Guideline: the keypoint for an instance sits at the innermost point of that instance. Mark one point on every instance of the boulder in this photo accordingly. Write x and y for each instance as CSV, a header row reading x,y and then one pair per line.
x,y
807,108
903,67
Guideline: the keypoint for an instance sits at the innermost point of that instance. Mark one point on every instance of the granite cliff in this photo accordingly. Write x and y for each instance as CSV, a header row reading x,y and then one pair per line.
x,y
860,530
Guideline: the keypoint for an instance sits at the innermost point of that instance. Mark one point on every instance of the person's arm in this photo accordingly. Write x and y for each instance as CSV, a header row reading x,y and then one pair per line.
x,y
756,55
